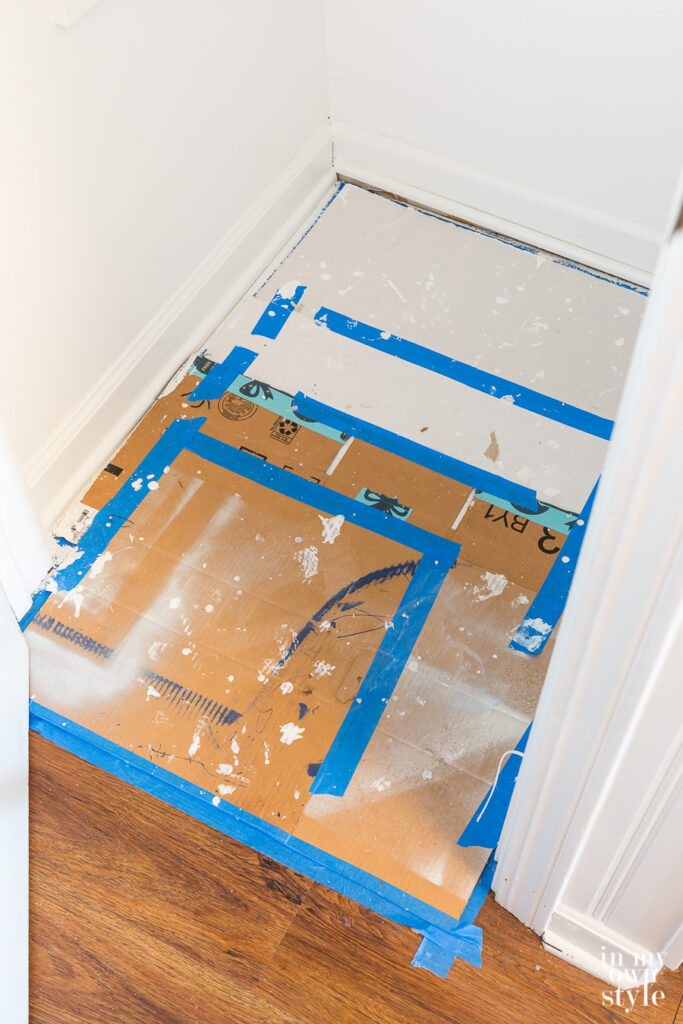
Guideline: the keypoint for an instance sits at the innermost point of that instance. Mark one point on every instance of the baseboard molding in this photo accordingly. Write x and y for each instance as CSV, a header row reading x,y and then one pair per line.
x,y
593,947
82,444
578,232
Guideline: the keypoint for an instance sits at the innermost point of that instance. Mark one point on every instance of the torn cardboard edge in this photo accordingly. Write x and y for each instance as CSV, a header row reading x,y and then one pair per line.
x,y
445,938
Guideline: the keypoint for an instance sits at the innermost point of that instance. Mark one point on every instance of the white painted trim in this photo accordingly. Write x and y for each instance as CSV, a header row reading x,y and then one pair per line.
x,y
593,831
584,234
587,943
82,443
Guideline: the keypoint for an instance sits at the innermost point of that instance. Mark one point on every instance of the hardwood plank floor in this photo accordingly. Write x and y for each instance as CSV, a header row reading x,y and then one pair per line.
x,y
140,913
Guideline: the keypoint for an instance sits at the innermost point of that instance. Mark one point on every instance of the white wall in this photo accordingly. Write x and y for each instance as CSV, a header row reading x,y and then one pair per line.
x,y
135,144
559,118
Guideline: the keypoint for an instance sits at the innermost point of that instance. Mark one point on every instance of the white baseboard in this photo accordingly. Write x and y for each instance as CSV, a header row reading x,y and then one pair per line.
x,y
82,444
578,232
593,947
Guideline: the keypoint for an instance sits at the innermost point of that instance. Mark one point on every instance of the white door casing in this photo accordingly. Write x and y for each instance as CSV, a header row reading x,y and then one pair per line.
x,y
590,852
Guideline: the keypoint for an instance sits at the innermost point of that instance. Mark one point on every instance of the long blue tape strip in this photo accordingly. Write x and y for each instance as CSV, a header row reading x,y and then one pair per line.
x,y
185,434
446,465
471,376
269,325
380,680
260,835
487,823
221,376
323,498
547,607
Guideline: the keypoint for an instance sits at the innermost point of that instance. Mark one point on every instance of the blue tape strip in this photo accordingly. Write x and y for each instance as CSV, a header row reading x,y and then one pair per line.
x,y
479,380
269,325
221,376
380,680
118,510
547,607
279,403
487,823
322,498
428,457
439,949
262,836
277,312
555,519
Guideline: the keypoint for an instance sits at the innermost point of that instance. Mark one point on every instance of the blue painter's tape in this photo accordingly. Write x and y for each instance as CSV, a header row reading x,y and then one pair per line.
x,y
322,498
183,434
553,518
487,823
380,680
118,510
219,379
280,404
547,607
439,949
260,835
471,376
277,312
446,465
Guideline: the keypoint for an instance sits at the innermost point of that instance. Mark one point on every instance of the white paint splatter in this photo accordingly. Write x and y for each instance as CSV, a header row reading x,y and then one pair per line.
x,y
287,290
99,564
224,789
235,747
196,740
494,585
331,528
290,732
286,687
531,633
208,608
151,692
266,753
322,668
136,484
174,602
216,801
153,485
75,597
224,769
308,560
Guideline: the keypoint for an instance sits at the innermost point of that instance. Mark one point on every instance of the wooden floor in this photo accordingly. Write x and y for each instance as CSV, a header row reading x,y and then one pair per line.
x,y
142,914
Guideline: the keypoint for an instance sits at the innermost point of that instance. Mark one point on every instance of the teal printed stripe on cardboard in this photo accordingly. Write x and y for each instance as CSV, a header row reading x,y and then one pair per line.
x,y
555,519
280,403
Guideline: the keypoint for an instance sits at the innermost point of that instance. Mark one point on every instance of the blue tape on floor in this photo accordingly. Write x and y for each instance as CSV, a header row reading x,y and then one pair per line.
x,y
446,465
555,519
471,376
279,403
277,312
262,836
323,499
548,605
487,823
185,434
221,376
269,325
439,949
118,510
380,680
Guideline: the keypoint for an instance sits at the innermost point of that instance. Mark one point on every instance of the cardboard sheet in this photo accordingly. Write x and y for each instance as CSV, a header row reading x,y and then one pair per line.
x,y
226,628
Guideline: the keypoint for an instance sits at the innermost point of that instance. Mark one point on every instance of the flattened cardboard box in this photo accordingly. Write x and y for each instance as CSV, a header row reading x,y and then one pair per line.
x,y
171,644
